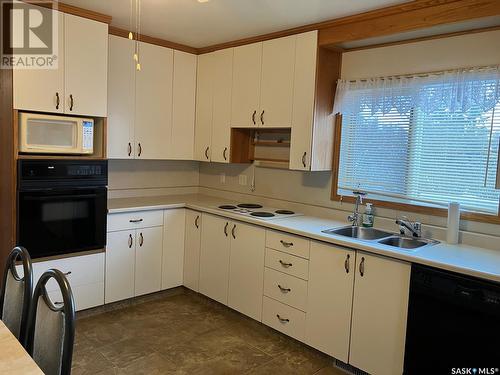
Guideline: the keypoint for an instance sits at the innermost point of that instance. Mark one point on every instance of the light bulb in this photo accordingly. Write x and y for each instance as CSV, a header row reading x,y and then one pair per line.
x,y
130,35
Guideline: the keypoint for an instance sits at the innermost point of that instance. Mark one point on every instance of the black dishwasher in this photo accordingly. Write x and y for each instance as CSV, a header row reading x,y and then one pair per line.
x,y
453,324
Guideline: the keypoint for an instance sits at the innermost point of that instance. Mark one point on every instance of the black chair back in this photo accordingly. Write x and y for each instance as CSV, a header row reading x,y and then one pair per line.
x,y
15,295
51,329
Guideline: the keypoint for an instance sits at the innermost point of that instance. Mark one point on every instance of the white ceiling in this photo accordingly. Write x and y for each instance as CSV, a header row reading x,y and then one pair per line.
x,y
216,21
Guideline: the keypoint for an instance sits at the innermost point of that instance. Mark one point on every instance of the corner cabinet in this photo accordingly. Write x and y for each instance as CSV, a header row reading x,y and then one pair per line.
x,y
79,83
151,111
192,245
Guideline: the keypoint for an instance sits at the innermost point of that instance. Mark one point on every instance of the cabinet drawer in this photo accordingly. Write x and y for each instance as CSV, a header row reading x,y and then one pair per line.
x,y
284,318
285,288
79,270
133,220
288,243
85,296
287,263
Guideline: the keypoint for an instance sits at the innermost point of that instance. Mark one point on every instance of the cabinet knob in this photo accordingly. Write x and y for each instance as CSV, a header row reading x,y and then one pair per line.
x,y
346,263
253,116
71,102
304,159
262,117
57,100
362,266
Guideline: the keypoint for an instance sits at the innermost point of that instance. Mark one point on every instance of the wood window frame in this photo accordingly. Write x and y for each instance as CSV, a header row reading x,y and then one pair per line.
x,y
421,209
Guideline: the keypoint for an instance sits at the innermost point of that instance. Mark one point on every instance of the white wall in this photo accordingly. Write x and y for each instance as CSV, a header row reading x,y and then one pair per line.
x,y
426,56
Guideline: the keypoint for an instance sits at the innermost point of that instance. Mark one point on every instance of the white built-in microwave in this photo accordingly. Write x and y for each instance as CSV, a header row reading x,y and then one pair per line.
x,y
52,134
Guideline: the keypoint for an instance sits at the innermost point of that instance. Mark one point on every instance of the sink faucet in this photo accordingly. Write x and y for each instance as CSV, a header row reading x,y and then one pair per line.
x,y
413,227
355,217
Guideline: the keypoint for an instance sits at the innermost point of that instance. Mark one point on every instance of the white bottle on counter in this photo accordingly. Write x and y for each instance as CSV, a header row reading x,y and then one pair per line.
x,y
453,230
368,217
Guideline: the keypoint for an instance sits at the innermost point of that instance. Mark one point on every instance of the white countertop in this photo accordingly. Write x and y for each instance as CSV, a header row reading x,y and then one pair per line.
x,y
465,259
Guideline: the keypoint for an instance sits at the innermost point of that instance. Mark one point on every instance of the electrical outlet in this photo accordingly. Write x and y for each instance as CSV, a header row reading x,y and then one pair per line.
x,y
243,179
223,178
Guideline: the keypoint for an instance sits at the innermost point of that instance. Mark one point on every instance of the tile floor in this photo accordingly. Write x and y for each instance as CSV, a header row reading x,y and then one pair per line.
x,y
186,333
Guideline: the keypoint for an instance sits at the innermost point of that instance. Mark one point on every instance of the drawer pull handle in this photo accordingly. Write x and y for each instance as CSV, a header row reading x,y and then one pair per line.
x,y
58,303
304,159
285,264
286,244
196,221
282,320
135,220
362,267
129,149
57,100
253,116
262,117
225,229
206,152
71,102
67,273
130,241
141,241
284,290
140,149
232,231
346,263
224,153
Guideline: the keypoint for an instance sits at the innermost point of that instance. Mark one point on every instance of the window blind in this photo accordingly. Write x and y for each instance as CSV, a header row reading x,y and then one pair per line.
x,y
432,143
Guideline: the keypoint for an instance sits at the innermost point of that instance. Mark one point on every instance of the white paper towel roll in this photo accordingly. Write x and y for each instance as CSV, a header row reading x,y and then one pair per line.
x,y
453,222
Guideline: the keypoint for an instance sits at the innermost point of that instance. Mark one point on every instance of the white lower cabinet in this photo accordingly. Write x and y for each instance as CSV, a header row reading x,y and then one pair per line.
x,y
174,222
214,257
284,318
192,244
85,274
246,269
330,290
379,314
133,255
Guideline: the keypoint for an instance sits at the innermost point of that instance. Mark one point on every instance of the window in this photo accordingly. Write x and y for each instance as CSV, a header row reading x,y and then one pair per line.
x,y
422,140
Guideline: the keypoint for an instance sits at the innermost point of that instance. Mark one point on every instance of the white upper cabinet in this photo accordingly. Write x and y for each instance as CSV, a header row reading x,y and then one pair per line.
x,y
247,63
79,84
379,314
301,151
42,89
277,82
153,114
85,66
204,107
121,98
221,113
183,107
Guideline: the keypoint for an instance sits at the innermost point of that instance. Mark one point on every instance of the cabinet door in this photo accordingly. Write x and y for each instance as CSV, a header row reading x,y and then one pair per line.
x,y
153,113
303,102
214,258
246,269
276,95
121,98
85,66
246,85
192,250
379,314
148,260
183,107
39,89
120,265
173,248
204,106
328,318
221,112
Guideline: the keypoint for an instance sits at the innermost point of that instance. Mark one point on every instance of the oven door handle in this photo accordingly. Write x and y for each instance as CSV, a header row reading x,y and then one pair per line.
x,y
52,196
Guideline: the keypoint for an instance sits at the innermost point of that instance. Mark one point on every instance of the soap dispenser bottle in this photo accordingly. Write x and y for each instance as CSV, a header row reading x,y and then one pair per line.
x,y
368,217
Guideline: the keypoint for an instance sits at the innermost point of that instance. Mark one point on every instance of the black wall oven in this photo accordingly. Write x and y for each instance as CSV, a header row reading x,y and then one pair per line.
x,y
62,206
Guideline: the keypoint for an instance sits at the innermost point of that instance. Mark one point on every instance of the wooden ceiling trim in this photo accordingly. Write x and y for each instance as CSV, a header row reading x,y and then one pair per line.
x,y
152,40
407,18
71,9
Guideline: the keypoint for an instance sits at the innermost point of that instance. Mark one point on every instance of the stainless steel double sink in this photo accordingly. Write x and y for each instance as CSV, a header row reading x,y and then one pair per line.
x,y
381,237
